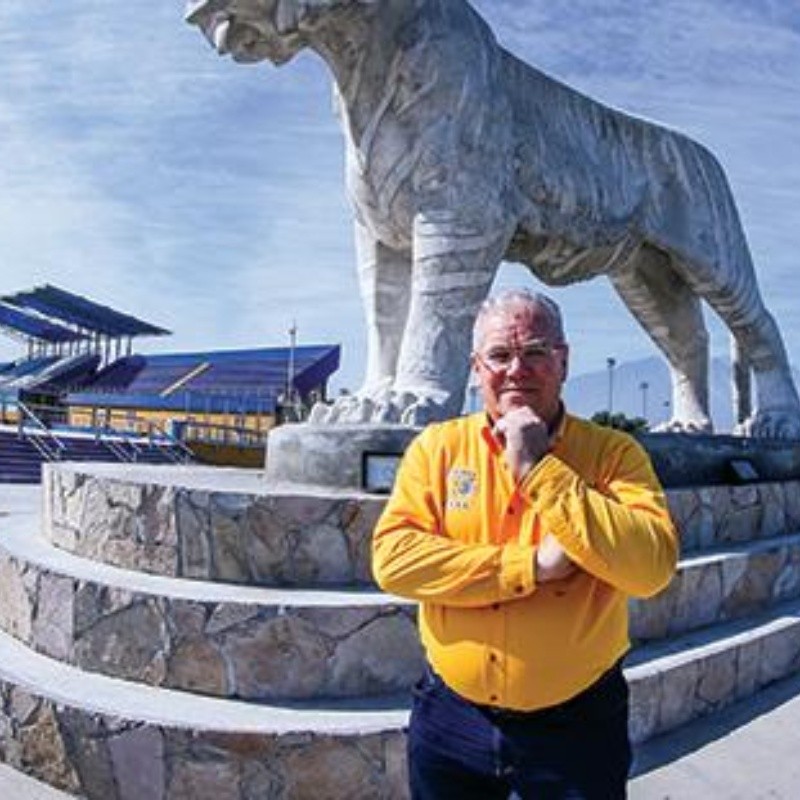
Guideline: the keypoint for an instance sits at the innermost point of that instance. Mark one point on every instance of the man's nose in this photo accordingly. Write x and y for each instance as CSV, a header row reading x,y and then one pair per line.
x,y
516,364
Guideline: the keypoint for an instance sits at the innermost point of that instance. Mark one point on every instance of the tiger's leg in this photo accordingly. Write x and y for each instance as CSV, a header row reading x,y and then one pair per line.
x,y
385,284
698,216
455,263
670,313
759,345
722,274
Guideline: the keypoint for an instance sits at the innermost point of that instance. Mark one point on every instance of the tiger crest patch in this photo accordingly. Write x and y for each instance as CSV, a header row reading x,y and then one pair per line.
x,y
462,484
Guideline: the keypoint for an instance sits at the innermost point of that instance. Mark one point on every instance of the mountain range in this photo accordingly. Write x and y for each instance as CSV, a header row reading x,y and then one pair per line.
x,y
642,388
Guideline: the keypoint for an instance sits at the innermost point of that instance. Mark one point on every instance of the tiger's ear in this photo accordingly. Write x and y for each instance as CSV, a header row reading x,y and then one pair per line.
x,y
288,15
196,9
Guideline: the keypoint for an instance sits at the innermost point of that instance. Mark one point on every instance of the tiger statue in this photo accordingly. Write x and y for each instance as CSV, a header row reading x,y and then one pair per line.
x,y
459,155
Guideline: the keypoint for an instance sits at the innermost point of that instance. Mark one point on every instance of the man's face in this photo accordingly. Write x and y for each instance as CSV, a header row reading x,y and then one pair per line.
x,y
518,362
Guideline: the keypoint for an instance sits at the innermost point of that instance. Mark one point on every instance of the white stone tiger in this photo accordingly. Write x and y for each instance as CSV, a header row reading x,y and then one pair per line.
x,y
460,155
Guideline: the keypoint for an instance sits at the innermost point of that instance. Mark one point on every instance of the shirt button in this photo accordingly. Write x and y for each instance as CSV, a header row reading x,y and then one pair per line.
x,y
495,606
510,511
519,589
493,698
493,658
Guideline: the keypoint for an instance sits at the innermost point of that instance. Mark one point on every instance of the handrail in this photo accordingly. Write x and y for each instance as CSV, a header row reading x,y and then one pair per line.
x,y
40,435
116,440
230,434
186,452
117,450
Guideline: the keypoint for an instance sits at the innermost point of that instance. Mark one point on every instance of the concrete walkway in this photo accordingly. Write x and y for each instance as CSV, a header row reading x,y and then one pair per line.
x,y
747,752
16,786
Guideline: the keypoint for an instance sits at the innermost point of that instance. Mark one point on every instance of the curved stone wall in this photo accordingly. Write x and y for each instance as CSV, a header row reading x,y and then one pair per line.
x,y
228,527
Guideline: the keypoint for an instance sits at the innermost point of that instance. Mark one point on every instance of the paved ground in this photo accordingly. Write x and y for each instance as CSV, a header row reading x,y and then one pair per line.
x,y
16,786
747,752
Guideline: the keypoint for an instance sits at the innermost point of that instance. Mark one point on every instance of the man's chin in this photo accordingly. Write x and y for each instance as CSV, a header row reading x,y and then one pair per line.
x,y
516,399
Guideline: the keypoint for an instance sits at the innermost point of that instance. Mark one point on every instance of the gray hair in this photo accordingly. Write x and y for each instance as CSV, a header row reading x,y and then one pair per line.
x,y
503,302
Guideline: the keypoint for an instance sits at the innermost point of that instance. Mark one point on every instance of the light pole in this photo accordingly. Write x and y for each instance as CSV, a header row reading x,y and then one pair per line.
x,y
611,363
644,386
290,369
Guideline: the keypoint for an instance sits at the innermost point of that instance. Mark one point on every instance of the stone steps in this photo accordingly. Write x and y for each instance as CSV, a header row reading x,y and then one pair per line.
x,y
109,739
210,524
285,643
226,640
86,732
153,649
680,679
723,583
232,527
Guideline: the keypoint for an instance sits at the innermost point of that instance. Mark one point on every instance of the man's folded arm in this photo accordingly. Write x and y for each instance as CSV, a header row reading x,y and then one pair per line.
x,y
413,557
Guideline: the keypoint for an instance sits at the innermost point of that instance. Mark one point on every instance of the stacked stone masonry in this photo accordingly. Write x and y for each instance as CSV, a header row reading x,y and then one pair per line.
x,y
278,610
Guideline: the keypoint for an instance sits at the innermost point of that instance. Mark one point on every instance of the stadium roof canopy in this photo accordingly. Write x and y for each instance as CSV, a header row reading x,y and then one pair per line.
x,y
185,380
86,314
20,322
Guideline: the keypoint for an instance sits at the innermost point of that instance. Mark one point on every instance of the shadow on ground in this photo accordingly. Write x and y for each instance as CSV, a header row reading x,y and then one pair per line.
x,y
689,738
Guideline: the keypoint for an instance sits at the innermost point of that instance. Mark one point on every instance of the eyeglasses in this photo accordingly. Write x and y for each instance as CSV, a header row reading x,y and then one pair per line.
x,y
531,354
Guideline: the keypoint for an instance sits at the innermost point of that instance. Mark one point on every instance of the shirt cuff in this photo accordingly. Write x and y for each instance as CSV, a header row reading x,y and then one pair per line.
x,y
517,577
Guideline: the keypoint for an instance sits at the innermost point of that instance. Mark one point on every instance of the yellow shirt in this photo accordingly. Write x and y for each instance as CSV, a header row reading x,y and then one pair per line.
x,y
458,535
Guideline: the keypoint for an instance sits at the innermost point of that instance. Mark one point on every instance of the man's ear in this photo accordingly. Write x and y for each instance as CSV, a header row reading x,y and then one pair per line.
x,y
473,362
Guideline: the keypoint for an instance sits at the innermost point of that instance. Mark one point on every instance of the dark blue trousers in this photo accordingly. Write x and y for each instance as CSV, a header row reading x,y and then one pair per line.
x,y
578,750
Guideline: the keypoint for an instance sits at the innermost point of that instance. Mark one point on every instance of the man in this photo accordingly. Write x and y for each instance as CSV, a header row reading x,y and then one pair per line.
x,y
522,531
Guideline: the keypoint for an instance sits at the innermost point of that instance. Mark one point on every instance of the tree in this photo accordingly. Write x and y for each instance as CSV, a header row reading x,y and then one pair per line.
x,y
621,422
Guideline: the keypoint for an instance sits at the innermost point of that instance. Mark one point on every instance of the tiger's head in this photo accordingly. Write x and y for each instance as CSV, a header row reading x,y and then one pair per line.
x,y
258,30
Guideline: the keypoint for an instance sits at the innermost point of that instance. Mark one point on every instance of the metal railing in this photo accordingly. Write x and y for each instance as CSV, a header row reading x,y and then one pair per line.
x,y
219,434
32,428
179,452
124,442
117,449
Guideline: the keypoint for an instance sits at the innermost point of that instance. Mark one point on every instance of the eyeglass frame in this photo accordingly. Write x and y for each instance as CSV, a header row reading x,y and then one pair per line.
x,y
546,350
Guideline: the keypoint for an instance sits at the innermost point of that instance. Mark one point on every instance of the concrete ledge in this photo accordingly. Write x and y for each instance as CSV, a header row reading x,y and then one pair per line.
x,y
331,455
15,784
682,459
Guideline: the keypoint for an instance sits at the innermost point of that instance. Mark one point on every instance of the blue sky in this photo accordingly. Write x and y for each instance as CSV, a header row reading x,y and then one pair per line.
x,y
140,169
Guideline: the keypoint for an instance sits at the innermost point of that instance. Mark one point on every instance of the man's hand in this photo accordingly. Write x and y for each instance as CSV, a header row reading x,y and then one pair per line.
x,y
552,563
524,437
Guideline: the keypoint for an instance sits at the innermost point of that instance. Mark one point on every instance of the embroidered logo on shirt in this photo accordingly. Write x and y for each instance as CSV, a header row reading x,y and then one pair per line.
x,y
461,486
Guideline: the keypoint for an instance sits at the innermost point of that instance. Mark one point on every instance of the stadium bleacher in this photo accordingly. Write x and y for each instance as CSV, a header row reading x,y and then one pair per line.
x,y
70,383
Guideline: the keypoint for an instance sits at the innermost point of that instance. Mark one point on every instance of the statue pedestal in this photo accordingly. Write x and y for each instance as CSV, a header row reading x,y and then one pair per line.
x,y
361,457
365,457
682,459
